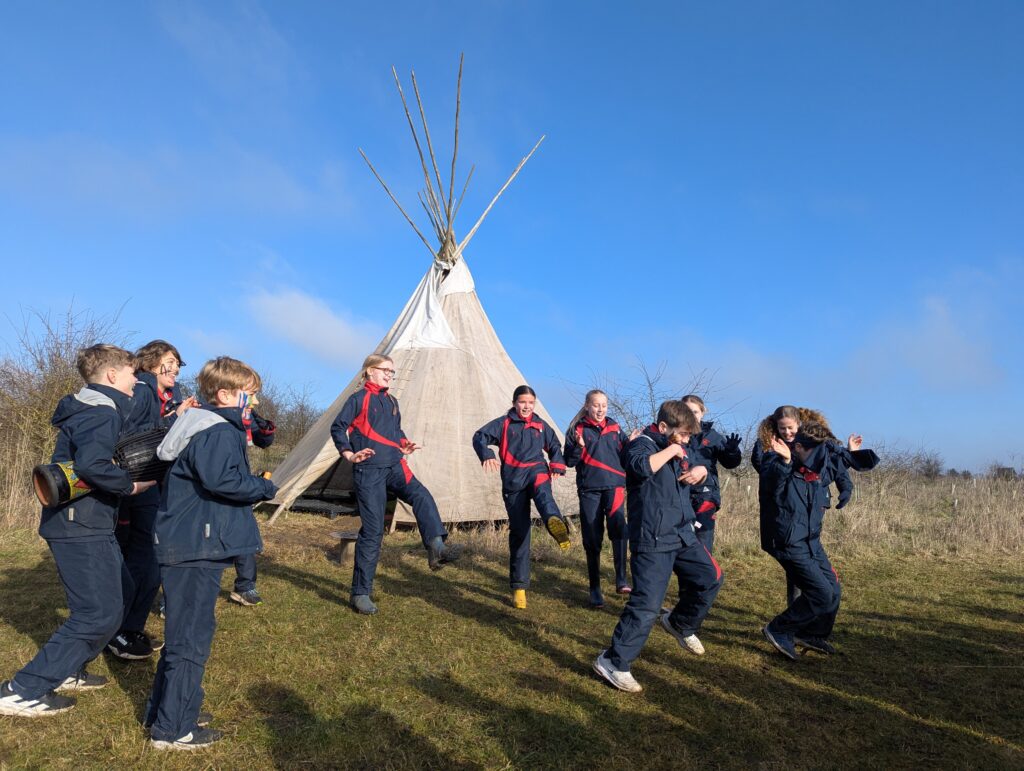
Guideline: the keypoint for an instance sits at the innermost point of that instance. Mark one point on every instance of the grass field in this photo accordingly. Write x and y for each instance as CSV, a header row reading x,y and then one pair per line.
x,y
930,670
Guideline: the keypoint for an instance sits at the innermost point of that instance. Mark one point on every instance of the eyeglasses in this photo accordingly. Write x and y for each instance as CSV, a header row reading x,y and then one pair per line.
x,y
385,371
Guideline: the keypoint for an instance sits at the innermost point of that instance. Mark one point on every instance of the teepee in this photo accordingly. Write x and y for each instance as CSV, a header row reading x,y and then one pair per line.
x,y
453,374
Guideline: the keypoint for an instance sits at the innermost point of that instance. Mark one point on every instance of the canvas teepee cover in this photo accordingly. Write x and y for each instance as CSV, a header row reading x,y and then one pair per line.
x,y
453,372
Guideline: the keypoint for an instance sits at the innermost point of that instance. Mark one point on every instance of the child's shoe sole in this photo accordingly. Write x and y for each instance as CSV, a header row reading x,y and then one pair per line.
x,y
559,531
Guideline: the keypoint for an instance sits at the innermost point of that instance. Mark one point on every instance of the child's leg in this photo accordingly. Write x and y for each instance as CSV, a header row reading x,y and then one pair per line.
x,y
616,499
191,595
140,560
91,573
371,497
245,573
822,625
413,492
651,573
700,578
817,596
541,493
517,505
592,526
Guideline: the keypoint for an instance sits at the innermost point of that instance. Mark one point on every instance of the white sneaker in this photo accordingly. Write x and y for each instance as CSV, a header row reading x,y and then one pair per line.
x,y
624,681
47,704
690,641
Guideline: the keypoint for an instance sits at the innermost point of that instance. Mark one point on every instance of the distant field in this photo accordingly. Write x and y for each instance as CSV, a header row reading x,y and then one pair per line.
x,y
930,671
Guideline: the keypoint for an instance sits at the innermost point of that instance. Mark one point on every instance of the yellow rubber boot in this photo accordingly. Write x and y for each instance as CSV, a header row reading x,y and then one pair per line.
x,y
519,599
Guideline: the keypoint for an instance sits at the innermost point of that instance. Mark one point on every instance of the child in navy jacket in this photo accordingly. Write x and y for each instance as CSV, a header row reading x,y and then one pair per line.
x,y
204,521
80,534
368,433
593,444
260,433
523,439
156,402
791,532
706,497
662,541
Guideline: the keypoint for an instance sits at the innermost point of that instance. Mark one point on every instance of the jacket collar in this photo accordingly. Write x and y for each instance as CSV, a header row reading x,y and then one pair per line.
x,y
122,402
659,439
373,388
232,415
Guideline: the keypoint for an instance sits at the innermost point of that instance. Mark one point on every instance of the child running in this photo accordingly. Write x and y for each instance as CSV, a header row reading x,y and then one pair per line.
x,y
368,433
593,444
523,439
792,479
706,497
662,541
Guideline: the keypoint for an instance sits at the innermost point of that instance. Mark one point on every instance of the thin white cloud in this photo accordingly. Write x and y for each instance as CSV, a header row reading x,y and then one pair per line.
x,y
309,323
79,174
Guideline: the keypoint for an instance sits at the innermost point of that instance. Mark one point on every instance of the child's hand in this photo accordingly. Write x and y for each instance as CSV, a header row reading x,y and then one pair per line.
x,y
694,475
491,465
579,436
408,448
634,434
781,448
139,487
364,454
187,404
732,442
854,442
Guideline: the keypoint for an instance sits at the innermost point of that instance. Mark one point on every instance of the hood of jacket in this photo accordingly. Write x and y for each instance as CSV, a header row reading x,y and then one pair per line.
x,y
186,427
92,395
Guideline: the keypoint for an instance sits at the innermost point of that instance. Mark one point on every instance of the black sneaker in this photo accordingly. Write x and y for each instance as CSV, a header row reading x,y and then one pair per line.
x,y
131,646
83,681
47,704
199,739
783,643
203,719
153,642
816,644
249,598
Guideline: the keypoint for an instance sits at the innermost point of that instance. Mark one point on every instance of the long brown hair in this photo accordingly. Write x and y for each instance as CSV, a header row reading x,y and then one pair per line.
x,y
769,427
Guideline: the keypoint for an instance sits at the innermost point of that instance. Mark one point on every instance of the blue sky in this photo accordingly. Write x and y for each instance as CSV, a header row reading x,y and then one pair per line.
x,y
813,203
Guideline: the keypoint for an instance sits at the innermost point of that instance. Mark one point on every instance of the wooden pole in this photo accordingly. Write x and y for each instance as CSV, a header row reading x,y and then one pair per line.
x,y
395,201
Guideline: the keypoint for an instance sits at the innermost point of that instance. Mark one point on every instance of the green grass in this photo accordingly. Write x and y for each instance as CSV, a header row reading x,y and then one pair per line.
x,y
930,671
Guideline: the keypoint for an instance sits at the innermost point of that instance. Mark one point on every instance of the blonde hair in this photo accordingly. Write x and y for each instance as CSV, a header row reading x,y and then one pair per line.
x,y
371,361
769,427
229,374
92,361
583,410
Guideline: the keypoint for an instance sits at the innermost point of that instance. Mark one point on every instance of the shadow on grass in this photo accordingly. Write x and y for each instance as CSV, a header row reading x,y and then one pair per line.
x,y
364,736
31,598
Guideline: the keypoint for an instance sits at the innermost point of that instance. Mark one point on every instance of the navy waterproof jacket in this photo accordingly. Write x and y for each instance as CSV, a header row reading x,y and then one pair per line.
x,y
206,505
370,418
793,495
658,511
837,472
522,445
598,461
714,449
89,424
148,410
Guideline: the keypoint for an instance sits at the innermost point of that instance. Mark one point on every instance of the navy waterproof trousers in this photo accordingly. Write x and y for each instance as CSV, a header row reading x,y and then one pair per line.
x,y
245,573
517,505
373,483
138,512
596,506
699,577
190,593
813,612
93,574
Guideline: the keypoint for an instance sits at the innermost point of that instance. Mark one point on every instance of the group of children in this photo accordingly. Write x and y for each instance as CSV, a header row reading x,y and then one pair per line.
x,y
656,492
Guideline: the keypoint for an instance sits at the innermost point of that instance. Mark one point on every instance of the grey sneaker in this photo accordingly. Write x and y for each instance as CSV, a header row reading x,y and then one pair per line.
x,y
783,642
83,681
249,598
363,604
199,739
440,553
624,681
689,642
47,704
